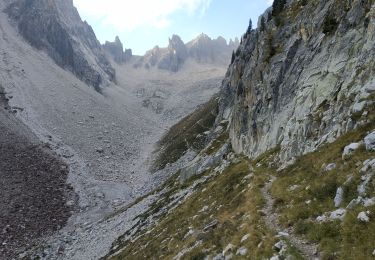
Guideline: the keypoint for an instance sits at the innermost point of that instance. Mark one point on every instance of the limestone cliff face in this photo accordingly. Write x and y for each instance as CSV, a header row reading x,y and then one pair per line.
x,y
302,78
56,27
116,50
174,56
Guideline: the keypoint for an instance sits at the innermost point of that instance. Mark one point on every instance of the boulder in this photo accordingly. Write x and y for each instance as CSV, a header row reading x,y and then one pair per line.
x,y
367,165
338,214
322,218
349,149
358,107
330,167
244,238
280,245
362,216
228,249
242,251
339,197
211,225
369,202
370,141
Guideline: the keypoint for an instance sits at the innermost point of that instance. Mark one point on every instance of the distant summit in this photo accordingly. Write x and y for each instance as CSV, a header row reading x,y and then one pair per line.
x,y
116,50
202,49
206,50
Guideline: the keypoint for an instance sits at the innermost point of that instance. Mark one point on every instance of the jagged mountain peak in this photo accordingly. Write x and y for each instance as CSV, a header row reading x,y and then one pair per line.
x,y
202,49
56,27
116,51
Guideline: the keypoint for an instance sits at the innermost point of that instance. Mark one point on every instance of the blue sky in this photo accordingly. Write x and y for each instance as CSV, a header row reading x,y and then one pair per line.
x,y
142,24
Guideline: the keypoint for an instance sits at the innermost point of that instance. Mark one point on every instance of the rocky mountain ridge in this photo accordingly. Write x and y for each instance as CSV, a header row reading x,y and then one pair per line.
x,y
203,49
116,50
56,27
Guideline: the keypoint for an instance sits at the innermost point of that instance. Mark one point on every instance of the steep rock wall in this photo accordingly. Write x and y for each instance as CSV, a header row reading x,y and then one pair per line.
x,y
56,27
302,78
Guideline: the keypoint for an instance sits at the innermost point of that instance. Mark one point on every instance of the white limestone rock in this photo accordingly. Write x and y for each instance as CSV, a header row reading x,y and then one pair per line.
x,y
244,238
367,165
349,149
338,214
369,202
354,203
370,141
363,216
339,197
280,245
330,167
322,218
228,249
358,107
242,251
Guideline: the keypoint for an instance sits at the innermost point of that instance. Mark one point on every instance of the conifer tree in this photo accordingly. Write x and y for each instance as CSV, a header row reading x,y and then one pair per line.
x,y
250,27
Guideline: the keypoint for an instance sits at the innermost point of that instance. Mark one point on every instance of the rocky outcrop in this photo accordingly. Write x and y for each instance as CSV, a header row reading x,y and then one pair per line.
x,y
203,50
175,55
206,50
170,58
297,80
116,50
56,27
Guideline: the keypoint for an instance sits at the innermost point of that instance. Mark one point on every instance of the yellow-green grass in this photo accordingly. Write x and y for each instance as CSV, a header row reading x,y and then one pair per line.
x,y
314,196
187,134
233,199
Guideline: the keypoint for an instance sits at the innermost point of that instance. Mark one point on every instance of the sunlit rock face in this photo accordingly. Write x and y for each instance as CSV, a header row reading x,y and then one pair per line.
x,y
302,78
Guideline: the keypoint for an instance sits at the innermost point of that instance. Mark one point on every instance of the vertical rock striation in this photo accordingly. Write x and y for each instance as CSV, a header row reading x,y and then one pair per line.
x,y
302,78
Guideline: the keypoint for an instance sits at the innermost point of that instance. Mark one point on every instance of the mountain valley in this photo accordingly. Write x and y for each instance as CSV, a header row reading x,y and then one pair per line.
x,y
260,148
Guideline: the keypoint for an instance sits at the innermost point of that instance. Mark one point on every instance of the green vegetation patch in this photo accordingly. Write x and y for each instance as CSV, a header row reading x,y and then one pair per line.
x,y
306,190
187,134
220,212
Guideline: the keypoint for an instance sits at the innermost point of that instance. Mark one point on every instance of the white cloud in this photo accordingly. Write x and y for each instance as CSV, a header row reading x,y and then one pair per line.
x,y
127,15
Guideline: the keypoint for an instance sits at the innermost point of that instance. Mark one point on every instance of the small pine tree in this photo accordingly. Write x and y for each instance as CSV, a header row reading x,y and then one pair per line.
x,y
250,27
233,57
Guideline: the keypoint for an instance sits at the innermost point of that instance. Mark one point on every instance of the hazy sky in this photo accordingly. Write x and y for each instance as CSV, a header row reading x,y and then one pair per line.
x,y
142,24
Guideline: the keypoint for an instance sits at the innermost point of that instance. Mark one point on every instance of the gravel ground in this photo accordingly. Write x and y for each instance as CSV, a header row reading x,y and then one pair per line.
x,y
33,186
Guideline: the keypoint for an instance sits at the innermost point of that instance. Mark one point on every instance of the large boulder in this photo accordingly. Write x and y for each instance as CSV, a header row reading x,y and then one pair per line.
x,y
370,141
